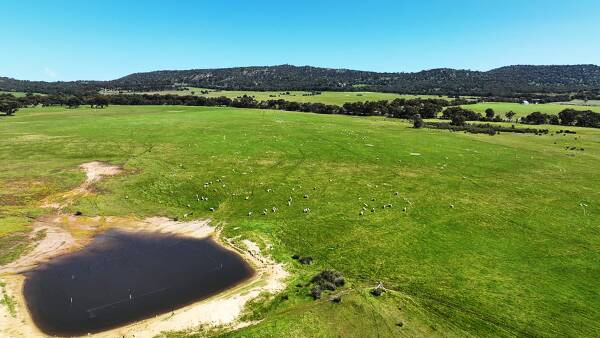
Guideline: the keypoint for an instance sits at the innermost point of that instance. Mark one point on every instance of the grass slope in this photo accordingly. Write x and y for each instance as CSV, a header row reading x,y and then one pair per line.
x,y
517,255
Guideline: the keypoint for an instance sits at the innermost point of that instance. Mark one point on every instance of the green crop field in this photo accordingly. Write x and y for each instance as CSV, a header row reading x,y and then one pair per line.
x,y
486,236
523,110
326,97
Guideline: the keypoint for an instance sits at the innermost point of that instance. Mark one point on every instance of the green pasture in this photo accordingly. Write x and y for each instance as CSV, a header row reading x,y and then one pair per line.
x,y
525,109
326,97
486,235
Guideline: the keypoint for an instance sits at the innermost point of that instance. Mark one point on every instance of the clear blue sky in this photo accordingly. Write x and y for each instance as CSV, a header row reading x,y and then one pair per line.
x,y
90,39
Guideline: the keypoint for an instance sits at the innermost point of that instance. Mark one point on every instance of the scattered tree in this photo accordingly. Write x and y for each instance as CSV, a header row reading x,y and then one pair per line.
x,y
9,107
509,115
417,121
458,120
489,114
73,102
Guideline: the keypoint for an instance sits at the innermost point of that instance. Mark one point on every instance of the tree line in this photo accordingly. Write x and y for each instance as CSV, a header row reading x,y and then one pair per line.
x,y
567,117
399,108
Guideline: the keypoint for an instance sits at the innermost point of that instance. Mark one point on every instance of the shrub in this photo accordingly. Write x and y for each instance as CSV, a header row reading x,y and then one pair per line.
x,y
326,280
417,121
306,260
458,120
315,292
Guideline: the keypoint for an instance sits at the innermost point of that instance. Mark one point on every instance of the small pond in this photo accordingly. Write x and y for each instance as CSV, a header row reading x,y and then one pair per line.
x,y
122,277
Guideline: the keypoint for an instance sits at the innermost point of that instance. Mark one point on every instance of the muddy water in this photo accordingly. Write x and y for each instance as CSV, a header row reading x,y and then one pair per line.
x,y
123,277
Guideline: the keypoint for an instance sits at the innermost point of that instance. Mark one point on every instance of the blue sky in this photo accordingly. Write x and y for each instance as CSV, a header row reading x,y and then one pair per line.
x,y
89,39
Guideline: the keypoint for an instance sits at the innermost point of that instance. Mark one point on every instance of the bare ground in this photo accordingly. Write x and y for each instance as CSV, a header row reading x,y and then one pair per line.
x,y
94,171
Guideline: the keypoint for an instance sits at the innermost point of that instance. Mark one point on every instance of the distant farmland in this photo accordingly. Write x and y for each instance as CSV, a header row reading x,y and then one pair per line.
x,y
327,97
16,94
526,109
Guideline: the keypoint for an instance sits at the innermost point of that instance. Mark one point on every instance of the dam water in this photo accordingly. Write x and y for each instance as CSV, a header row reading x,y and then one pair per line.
x,y
122,277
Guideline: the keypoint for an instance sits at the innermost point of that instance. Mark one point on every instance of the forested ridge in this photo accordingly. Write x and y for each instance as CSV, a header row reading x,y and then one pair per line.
x,y
505,81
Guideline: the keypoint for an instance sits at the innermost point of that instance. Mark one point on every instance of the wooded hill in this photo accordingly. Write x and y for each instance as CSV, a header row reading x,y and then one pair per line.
x,y
504,81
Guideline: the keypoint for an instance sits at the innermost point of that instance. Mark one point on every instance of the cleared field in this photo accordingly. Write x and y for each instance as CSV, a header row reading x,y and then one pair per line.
x,y
487,235
337,98
16,94
583,103
523,110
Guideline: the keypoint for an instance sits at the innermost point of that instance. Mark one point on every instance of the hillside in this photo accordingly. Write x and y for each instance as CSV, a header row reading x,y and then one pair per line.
x,y
500,81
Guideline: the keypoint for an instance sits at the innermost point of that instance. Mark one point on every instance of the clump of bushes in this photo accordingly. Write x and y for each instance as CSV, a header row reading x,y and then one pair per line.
x,y
566,132
327,280
573,148
306,260
482,128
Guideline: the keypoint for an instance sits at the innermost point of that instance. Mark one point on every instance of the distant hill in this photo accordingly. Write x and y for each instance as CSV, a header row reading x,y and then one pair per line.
x,y
69,87
500,81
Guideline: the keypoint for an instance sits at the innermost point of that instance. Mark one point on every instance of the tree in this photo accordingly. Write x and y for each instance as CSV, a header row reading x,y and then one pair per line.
x,y
489,114
458,120
509,115
468,115
430,110
568,116
99,101
417,121
73,102
536,118
9,107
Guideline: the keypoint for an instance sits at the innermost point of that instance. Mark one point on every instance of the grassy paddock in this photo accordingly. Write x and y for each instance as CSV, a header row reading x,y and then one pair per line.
x,y
326,97
487,236
524,110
